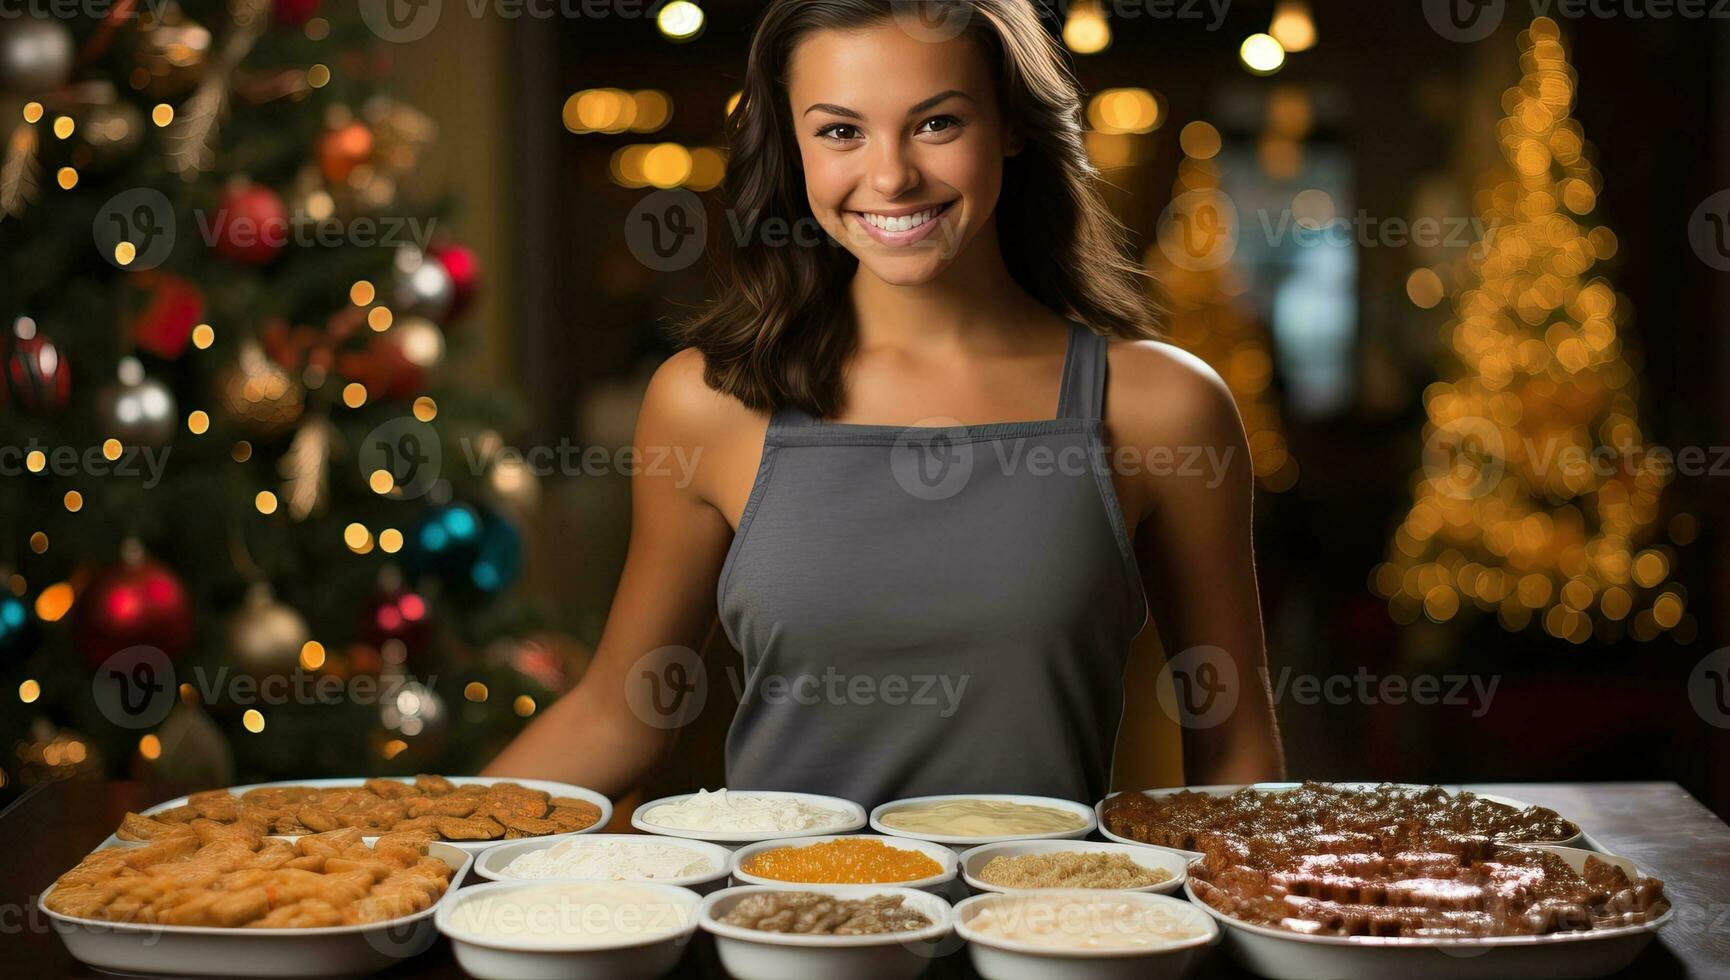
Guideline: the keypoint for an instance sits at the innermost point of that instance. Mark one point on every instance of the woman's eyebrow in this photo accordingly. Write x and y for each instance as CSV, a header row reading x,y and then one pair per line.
x,y
841,110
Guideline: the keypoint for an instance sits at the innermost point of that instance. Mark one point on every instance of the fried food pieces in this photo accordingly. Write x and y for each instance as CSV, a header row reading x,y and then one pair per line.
x,y
431,805
233,877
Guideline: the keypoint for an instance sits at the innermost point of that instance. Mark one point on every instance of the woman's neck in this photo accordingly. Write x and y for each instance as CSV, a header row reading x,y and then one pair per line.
x,y
974,303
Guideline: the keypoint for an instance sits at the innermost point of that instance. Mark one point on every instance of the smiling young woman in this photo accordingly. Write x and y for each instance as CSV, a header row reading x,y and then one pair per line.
x,y
913,474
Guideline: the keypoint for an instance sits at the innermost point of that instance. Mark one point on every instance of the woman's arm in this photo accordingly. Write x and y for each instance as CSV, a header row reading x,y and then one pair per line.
x,y
666,598
1194,484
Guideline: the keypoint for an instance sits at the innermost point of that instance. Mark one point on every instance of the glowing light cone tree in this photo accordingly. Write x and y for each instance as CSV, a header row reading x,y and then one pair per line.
x,y
1210,319
1539,497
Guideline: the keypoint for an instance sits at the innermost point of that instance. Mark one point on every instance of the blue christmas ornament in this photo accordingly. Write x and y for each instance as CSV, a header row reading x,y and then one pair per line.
x,y
500,557
467,548
445,542
17,628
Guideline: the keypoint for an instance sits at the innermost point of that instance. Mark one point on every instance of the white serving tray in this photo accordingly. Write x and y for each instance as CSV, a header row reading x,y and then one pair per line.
x,y
212,951
475,846
1285,955
1227,789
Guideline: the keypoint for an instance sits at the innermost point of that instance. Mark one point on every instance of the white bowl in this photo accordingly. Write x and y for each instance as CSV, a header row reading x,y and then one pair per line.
x,y
473,846
751,954
212,951
1003,959
491,864
1228,789
852,818
944,856
629,959
1090,819
974,860
1288,955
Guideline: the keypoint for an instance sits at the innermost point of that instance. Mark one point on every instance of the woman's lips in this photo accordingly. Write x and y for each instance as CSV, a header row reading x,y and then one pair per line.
x,y
902,229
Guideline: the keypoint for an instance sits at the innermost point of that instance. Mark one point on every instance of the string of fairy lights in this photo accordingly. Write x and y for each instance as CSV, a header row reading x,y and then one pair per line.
x,y
1540,499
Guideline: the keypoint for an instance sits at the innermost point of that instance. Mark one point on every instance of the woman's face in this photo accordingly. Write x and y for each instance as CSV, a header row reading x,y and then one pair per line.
x,y
902,144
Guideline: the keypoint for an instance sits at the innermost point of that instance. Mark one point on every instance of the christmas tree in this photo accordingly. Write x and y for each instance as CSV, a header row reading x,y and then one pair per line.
x,y
1539,498
250,522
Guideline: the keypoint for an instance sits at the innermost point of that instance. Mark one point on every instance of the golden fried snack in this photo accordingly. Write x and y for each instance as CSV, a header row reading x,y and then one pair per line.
x,y
374,807
389,789
576,817
468,828
434,786
241,880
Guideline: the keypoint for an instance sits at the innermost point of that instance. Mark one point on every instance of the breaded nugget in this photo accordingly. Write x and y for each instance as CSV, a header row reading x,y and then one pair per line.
x,y
240,907
389,789
468,828
310,913
317,819
157,851
223,808
177,814
578,817
444,806
528,825
328,844
135,826
433,785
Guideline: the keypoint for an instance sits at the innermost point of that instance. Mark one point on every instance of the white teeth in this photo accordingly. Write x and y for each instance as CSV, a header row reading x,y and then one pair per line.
x,y
899,223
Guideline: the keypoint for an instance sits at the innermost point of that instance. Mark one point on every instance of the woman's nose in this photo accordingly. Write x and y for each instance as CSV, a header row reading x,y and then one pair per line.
x,y
892,169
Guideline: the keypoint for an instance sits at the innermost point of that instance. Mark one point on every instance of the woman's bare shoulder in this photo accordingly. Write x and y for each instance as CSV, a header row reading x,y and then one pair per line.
x,y
679,406
1158,394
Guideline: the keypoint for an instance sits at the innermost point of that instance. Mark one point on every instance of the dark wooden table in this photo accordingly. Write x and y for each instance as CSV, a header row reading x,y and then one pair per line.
x,y
1658,825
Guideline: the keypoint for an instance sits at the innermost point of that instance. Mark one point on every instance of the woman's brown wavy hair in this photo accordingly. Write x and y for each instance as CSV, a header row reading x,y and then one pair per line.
x,y
780,330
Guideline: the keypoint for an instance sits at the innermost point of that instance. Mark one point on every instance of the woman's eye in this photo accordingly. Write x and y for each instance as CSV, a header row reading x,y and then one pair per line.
x,y
939,124
839,131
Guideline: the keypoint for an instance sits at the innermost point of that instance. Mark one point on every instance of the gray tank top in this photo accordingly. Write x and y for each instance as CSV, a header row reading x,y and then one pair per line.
x,y
928,610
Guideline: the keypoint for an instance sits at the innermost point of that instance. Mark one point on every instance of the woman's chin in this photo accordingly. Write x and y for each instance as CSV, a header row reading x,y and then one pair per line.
x,y
911,270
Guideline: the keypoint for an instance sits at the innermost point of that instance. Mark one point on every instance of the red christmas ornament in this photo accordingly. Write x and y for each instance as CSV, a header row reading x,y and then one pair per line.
x,y
137,602
395,613
342,149
165,326
37,378
464,268
251,224
293,13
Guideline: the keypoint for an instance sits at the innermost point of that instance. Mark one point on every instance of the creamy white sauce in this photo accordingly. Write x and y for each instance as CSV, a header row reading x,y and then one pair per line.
x,y
724,811
610,860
